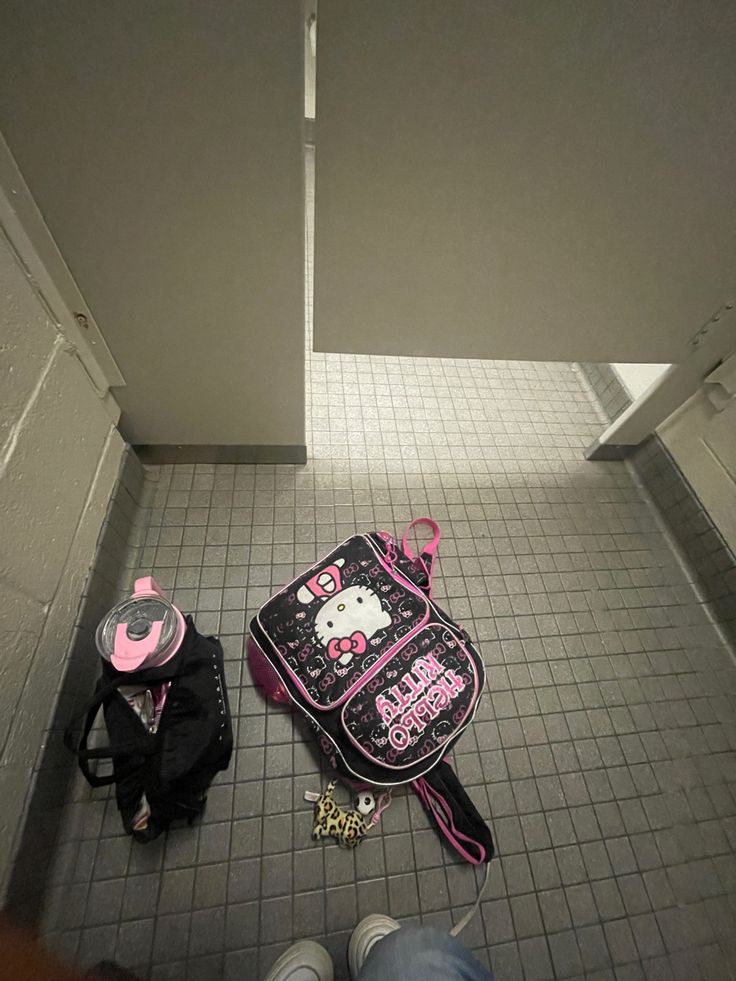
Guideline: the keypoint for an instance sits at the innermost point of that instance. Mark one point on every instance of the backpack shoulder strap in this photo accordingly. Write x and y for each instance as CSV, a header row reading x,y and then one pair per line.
x,y
454,813
426,556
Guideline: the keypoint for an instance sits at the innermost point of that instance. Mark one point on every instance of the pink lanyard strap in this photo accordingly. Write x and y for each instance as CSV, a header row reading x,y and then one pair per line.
x,y
427,553
382,803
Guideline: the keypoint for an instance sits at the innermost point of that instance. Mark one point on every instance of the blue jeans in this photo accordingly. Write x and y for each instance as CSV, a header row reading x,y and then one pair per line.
x,y
421,954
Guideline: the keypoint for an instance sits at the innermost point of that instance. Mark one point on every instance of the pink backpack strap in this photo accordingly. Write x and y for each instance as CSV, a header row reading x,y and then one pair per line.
x,y
427,554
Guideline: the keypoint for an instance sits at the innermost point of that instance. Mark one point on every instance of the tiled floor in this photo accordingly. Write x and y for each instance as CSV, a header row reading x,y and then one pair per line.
x,y
603,752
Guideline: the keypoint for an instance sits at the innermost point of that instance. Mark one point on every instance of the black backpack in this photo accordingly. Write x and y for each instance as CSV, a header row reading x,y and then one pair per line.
x,y
173,762
386,678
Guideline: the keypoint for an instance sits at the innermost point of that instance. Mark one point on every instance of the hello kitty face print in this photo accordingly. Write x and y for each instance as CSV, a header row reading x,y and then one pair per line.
x,y
334,622
345,623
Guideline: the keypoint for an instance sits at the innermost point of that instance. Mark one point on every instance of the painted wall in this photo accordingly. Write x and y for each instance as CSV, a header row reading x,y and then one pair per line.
x,y
310,59
702,440
638,377
163,144
524,180
59,456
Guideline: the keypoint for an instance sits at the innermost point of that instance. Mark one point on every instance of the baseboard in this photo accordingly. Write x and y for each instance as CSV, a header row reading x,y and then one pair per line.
x,y
170,453
608,451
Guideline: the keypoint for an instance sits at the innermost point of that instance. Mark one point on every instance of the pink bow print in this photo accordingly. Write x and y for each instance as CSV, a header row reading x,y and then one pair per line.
x,y
354,644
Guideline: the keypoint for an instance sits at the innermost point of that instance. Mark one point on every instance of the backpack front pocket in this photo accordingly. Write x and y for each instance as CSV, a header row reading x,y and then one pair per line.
x,y
418,699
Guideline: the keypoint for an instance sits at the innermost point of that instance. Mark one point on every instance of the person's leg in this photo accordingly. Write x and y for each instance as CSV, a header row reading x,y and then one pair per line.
x,y
368,932
420,954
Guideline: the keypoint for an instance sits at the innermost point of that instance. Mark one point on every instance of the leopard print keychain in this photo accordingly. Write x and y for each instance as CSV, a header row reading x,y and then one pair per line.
x,y
348,828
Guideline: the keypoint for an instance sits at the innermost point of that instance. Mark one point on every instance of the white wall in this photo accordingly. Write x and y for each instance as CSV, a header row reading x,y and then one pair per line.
x,y
638,377
310,60
163,144
524,179
702,441
59,457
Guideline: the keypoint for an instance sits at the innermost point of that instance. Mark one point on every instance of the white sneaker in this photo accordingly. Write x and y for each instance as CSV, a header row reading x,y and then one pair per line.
x,y
368,932
303,961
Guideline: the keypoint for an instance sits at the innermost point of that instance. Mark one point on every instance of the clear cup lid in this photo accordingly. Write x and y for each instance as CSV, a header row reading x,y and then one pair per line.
x,y
140,616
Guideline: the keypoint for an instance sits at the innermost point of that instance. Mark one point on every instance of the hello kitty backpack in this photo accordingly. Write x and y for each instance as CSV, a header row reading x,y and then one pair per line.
x,y
388,681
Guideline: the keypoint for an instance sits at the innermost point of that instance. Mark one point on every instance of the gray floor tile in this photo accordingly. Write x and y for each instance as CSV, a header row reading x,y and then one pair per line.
x,y
565,954
176,891
372,896
171,936
341,908
403,895
207,931
210,885
593,948
276,920
498,921
96,944
241,925
506,961
535,958
526,916
135,943
104,902
309,914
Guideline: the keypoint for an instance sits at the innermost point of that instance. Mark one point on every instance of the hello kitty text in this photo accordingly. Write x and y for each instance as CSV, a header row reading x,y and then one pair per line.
x,y
418,697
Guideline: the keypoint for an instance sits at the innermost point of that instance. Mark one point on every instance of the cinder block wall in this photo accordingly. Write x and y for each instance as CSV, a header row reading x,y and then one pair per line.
x,y
60,454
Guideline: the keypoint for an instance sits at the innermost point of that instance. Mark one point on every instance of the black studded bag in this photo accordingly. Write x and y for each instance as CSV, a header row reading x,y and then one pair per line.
x,y
161,771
